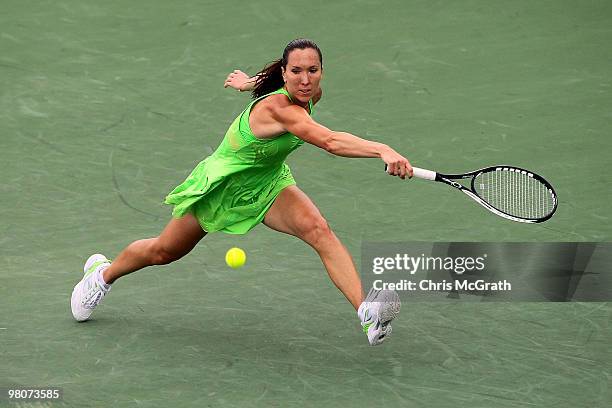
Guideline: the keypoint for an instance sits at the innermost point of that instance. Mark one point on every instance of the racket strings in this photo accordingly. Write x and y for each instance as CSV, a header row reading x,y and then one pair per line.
x,y
515,192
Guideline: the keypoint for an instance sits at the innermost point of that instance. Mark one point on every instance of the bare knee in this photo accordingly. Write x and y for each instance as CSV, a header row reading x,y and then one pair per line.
x,y
160,255
315,231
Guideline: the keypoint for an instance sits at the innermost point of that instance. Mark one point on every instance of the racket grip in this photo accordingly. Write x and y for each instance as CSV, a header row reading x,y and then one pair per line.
x,y
424,174
421,173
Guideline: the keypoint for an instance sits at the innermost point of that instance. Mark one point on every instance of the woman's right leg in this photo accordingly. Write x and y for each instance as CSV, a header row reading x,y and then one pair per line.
x,y
179,237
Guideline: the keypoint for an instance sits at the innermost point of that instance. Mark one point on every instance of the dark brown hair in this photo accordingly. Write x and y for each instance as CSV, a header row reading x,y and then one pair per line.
x,y
270,78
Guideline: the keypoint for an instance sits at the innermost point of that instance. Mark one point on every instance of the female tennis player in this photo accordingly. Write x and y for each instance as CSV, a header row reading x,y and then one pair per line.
x,y
246,181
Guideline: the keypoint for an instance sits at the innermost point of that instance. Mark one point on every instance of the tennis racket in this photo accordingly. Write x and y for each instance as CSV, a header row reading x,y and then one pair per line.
x,y
508,191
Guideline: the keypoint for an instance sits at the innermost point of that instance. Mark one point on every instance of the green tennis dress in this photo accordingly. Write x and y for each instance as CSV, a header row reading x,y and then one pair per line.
x,y
232,189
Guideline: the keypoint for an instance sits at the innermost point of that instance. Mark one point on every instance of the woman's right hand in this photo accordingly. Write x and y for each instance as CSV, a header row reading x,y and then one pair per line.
x,y
239,80
397,165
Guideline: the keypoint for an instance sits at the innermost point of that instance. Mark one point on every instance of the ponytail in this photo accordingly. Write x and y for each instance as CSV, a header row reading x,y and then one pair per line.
x,y
270,78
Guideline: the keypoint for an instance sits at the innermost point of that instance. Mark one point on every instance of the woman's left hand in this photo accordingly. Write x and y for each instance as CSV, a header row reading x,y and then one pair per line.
x,y
238,80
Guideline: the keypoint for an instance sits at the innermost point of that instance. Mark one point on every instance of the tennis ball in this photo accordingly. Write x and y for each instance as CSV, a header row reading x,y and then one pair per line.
x,y
235,258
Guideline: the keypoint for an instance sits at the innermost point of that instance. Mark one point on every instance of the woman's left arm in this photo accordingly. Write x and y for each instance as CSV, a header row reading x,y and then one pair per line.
x,y
240,81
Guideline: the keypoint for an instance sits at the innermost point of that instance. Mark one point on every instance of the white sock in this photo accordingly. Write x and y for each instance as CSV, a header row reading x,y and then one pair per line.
x,y
100,279
361,311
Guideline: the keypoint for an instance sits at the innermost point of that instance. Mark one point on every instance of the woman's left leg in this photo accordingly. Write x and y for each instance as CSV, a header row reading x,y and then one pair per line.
x,y
295,214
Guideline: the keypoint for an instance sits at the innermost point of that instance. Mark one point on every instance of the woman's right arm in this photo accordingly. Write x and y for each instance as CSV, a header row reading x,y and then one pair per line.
x,y
295,120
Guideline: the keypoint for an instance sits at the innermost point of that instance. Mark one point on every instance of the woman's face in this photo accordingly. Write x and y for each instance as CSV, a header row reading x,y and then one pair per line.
x,y
302,74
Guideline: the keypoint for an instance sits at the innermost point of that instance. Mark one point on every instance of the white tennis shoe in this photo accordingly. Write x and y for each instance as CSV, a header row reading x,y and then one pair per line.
x,y
376,312
89,292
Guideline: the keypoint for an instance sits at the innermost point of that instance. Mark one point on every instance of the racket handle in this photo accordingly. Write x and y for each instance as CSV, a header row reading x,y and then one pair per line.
x,y
424,174
421,173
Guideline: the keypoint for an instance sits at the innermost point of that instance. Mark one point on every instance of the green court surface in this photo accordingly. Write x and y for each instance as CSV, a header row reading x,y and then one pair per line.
x,y
106,106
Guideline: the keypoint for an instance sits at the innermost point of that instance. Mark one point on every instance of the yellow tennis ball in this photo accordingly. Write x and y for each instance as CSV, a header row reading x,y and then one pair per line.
x,y
235,258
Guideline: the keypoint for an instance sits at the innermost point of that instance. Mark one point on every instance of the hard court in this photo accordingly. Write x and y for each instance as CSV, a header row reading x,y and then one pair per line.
x,y
106,106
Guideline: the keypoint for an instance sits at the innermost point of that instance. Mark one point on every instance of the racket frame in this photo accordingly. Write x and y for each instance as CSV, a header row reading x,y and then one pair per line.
x,y
472,193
